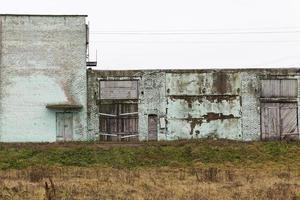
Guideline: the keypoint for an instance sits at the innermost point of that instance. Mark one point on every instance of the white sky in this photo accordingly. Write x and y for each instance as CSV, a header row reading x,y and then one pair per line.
x,y
217,33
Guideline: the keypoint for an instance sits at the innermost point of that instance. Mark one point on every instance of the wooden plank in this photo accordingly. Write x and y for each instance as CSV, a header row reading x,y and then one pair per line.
x,y
118,84
60,126
129,136
289,124
279,88
118,89
270,88
289,88
103,124
68,125
125,114
108,115
270,122
113,135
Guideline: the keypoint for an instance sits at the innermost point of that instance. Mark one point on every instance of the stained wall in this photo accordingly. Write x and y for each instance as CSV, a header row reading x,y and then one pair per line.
x,y
43,61
217,103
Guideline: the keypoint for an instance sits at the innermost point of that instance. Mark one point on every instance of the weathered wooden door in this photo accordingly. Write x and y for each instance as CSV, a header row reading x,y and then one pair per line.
x,y
64,126
152,127
60,130
288,119
118,121
279,121
68,126
270,121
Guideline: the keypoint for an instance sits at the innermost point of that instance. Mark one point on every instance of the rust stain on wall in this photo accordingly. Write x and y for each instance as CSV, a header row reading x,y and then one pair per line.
x,y
221,82
201,98
217,116
201,102
207,118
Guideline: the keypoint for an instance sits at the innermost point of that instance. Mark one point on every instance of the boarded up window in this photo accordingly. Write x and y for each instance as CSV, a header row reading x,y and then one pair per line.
x,y
288,88
119,89
279,88
279,121
118,121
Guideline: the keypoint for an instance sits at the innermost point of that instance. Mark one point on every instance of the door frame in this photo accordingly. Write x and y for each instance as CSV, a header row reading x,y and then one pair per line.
x,y
157,128
64,139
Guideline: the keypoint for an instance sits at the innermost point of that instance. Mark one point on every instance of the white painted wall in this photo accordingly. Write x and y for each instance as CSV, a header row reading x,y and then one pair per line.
x,y
42,62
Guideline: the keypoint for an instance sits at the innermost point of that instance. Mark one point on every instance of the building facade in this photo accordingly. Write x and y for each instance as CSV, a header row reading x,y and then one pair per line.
x,y
43,78
48,95
238,104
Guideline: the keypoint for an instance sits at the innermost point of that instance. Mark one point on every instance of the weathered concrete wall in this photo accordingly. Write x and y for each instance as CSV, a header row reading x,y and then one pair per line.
x,y
92,105
197,103
203,105
152,102
43,60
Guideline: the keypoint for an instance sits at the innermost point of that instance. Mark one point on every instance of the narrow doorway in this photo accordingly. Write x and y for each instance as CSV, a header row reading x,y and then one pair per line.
x,y
152,127
64,126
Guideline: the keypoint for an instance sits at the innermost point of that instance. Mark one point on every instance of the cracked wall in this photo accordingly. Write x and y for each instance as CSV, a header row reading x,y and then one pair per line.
x,y
196,103
203,104
152,101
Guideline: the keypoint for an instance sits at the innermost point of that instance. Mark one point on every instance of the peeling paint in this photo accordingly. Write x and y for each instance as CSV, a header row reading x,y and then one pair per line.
x,y
200,103
43,61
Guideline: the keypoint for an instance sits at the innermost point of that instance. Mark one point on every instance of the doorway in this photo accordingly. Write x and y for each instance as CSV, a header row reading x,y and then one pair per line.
x,y
152,127
279,121
64,126
279,109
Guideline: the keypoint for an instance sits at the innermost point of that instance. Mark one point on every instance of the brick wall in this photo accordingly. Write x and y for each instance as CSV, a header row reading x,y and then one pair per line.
x,y
43,60
250,106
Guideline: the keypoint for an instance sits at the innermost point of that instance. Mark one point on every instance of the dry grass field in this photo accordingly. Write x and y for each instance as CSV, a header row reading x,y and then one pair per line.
x,y
193,170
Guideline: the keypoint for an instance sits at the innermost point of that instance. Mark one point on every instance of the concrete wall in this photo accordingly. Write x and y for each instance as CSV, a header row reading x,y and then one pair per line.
x,y
195,103
152,101
43,60
203,104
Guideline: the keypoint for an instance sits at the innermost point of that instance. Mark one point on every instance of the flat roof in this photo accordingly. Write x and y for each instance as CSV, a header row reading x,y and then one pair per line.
x,y
43,15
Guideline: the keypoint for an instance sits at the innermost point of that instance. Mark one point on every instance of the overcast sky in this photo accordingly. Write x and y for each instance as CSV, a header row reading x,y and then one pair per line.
x,y
183,33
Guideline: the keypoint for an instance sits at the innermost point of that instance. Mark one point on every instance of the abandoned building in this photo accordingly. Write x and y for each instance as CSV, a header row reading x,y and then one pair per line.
x,y
47,94
238,104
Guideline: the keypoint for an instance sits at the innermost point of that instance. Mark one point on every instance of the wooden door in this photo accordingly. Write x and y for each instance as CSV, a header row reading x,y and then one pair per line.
x,y
118,121
64,126
152,127
270,123
279,121
60,127
288,120
68,126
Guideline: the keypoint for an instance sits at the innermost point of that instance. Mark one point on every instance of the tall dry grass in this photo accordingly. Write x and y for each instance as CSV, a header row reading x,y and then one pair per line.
x,y
194,183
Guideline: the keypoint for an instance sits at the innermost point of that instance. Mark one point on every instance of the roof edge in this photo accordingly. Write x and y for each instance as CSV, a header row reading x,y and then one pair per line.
x,y
201,69
43,15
